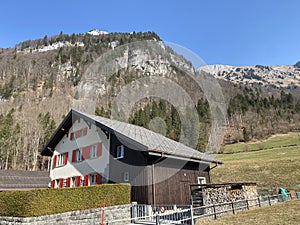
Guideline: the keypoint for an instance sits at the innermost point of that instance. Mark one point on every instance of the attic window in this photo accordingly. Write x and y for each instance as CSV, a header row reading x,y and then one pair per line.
x,y
79,133
120,152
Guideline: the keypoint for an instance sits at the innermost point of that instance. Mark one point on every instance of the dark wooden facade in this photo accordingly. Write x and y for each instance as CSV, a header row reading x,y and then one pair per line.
x,y
155,179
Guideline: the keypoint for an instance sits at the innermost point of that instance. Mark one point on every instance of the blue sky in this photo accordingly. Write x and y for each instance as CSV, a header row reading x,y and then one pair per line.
x,y
234,32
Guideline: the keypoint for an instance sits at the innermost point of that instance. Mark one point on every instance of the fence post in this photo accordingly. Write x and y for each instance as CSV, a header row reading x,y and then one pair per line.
x,y
258,199
215,214
134,213
269,199
232,206
157,218
192,215
247,204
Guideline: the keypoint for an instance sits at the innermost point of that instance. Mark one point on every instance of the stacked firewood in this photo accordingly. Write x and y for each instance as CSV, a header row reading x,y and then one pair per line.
x,y
215,195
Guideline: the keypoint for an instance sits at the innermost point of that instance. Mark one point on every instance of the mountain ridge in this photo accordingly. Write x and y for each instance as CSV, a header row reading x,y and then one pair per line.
x,y
37,88
287,76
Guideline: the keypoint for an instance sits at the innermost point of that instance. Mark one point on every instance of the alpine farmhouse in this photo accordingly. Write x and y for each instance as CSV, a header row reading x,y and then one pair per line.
x,y
91,150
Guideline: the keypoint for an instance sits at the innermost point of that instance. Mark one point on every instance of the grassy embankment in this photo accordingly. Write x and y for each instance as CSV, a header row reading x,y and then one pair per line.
x,y
281,213
276,141
276,165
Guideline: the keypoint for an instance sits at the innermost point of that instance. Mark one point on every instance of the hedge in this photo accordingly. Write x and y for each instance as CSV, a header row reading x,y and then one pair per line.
x,y
41,202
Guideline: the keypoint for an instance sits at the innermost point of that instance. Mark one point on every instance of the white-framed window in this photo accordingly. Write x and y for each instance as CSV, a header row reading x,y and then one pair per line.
x,y
73,182
94,149
201,180
126,176
65,183
61,159
78,155
93,179
120,152
82,182
57,183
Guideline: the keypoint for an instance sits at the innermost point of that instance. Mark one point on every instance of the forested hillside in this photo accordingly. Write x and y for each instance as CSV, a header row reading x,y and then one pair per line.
x,y
39,80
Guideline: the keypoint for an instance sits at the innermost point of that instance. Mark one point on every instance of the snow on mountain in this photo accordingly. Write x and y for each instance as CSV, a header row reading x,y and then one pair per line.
x,y
96,32
277,76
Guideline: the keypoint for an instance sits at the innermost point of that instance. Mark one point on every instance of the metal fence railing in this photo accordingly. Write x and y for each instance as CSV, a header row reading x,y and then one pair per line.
x,y
187,214
217,210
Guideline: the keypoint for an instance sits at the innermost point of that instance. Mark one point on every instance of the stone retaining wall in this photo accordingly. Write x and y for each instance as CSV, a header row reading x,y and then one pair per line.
x,y
83,217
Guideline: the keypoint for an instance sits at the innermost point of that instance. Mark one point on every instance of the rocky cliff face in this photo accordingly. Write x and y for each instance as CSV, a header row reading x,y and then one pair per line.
x,y
41,80
261,76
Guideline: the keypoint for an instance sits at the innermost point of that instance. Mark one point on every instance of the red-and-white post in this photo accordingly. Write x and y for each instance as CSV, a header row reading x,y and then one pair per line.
x,y
103,209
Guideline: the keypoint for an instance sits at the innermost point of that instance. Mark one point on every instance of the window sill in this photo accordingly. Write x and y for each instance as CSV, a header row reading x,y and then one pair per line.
x,y
122,157
59,166
94,157
78,161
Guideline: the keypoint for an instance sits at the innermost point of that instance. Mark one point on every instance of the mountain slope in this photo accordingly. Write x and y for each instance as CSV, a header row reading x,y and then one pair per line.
x,y
40,80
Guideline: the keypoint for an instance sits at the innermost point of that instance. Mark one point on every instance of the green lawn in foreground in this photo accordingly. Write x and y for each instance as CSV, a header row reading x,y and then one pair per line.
x,y
266,167
281,213
275,141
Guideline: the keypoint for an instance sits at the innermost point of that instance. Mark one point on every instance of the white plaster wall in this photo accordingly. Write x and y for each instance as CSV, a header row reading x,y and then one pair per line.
x,y
88,166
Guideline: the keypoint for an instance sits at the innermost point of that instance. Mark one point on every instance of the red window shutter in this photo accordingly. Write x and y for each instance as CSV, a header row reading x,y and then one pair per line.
x,y
78,181
85,131
78,133
86,152
69,182
71,136
54,160
53,183
61,183
98,178
74,156
99,150
86,180
66,158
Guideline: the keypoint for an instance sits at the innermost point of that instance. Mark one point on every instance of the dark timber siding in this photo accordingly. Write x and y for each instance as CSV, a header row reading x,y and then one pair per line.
x,y
171,177
172,185
134,162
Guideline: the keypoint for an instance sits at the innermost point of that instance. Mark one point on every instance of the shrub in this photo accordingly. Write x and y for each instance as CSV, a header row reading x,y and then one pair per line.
x,y
51,201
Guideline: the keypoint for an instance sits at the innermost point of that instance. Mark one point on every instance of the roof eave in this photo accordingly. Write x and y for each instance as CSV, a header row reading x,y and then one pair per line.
x,y
184,158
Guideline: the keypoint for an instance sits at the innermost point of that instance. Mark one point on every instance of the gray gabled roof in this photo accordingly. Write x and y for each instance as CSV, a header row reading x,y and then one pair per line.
x,y
138,137
153,142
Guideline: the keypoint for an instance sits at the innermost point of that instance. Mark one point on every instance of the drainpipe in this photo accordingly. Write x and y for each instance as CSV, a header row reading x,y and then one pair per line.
x,y
153,186
214,166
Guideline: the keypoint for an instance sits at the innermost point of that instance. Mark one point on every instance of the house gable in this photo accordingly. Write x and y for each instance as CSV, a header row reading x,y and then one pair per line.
x,y
86,151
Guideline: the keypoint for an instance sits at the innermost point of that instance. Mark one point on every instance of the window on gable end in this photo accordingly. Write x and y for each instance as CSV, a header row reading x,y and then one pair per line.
x,y
73,182
78,155
94,149
62,159
120,152
93,179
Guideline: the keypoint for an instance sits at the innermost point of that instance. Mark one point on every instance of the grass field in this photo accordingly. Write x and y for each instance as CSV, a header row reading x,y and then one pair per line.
x,y
268,168
276,141
281,213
